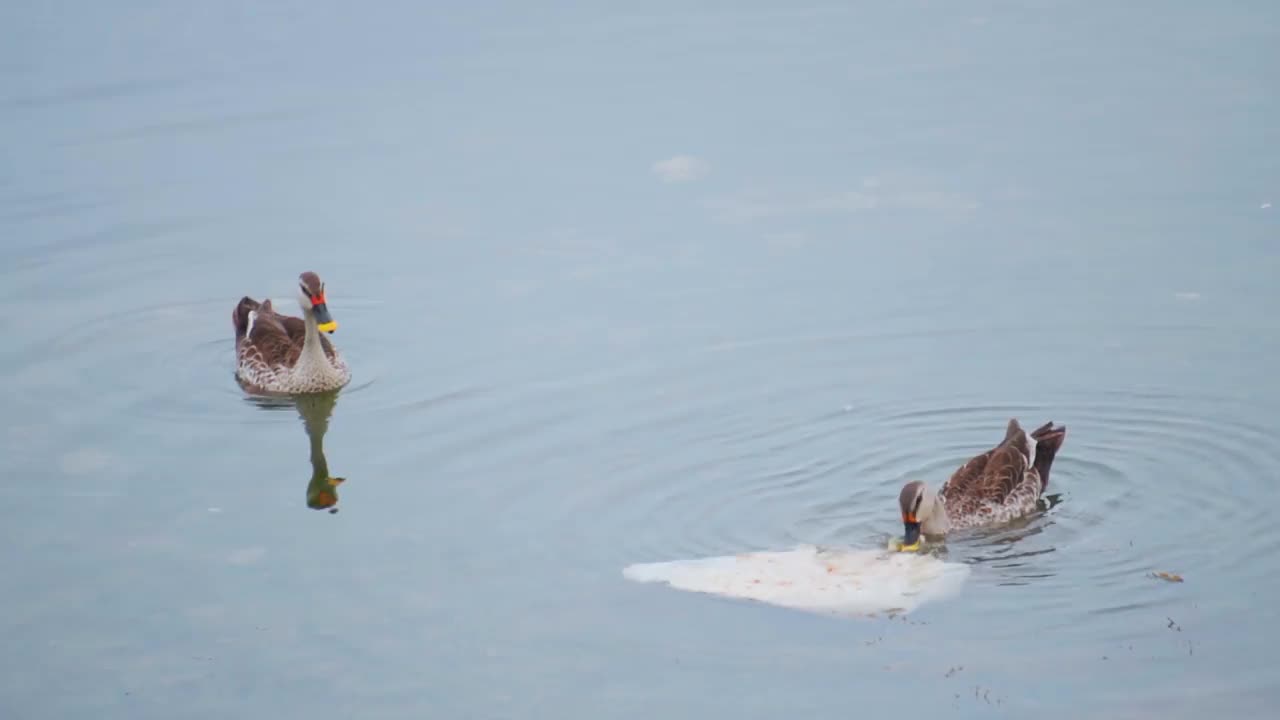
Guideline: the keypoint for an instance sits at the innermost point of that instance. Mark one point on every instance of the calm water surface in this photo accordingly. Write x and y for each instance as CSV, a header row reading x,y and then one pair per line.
x,y
632,285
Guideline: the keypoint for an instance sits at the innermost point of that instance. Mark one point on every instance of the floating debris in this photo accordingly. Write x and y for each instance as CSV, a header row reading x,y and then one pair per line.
x,y
1171,577
842,581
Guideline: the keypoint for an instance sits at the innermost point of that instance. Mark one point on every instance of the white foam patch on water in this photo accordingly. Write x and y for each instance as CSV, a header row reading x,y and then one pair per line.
x,y
827,580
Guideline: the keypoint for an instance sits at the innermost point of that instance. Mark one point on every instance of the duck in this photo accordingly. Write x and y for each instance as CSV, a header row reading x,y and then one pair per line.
x,y
285,355
1001,484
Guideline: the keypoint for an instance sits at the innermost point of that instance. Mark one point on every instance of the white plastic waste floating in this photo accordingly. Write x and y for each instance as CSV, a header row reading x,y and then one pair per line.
x,y
841,581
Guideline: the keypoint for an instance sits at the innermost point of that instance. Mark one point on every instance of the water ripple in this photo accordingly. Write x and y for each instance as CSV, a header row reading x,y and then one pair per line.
x,y
1142,484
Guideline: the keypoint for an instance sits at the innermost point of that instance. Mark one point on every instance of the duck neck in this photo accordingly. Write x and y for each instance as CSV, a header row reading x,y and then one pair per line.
x,y
312,352
936,522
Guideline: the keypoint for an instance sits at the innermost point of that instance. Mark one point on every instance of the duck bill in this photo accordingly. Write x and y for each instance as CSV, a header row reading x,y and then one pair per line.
x,y
324,321
910,535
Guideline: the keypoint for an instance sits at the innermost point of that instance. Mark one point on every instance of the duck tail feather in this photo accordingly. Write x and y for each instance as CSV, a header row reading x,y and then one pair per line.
x,y
1048,441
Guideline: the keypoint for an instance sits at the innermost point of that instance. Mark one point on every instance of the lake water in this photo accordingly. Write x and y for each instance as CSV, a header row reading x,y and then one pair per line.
x,y
629,286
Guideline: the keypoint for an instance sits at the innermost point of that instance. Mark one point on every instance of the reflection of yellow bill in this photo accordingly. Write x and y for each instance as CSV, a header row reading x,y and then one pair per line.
x,y
322,493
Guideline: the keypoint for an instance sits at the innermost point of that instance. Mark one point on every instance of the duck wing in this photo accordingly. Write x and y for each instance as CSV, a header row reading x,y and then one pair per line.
x,y
967,477
292,326
994,474
297,330
264,337
1005,470
240,317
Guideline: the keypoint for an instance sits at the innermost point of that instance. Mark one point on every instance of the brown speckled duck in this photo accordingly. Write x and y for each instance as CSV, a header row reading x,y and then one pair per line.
x,y
280,354
1002,483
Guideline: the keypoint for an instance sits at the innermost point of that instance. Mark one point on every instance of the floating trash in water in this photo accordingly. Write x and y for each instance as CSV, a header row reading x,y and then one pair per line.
x,y
1171,577
825,580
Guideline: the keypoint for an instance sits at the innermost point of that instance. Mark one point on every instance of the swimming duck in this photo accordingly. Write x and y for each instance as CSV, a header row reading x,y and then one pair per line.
x,y
282,354
1000,484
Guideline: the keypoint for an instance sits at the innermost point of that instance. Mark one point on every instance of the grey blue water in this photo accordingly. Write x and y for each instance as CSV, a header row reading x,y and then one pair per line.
x,y
624,285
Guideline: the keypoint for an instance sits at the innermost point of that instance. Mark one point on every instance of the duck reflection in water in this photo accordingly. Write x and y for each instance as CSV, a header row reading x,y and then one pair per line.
x,y
315,410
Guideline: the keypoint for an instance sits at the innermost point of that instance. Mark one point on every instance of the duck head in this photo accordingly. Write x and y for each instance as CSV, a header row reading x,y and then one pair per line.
x,y
311,300
921,513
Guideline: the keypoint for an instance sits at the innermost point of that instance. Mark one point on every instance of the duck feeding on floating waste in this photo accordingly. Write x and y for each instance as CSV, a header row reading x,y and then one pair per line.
x,y
1000,484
